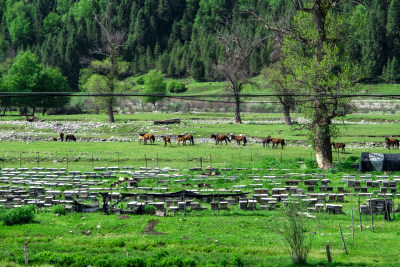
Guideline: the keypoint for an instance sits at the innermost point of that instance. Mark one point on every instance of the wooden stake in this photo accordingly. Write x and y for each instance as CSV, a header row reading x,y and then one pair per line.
x,y
352,217
328,253
341,234
372,217
26,253
359,213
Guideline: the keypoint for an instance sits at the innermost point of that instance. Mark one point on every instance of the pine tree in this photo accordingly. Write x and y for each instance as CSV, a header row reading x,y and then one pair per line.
x,y
392,28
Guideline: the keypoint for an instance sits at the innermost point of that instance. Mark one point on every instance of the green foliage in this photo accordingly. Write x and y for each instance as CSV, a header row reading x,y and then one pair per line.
x,y
21,215
155,84
59,209
176,87
141,80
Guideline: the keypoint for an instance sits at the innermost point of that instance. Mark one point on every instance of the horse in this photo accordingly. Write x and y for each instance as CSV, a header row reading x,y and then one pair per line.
x,y
31,119
61,136
167,139
265,142
146,137
185,137
70,137
276,141
392,143
239,139
336,146
220,138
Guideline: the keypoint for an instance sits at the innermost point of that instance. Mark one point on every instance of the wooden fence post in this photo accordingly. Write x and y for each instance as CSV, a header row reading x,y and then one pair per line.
x,y
328,253
341,234
26,253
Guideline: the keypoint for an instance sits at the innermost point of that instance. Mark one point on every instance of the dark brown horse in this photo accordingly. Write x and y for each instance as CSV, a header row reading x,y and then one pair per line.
x,y
265,142
276,142
145,137
70,137
220,138
239,139
61,136
336,146
167,140
185,137
392,142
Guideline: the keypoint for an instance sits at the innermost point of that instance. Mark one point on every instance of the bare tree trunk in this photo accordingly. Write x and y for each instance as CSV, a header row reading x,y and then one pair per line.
x,y
110,113
323,148
238,119
286,114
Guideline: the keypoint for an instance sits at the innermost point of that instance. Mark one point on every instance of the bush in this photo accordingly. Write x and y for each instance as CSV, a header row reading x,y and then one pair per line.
x,y
176,87
20,215
59,209
140,80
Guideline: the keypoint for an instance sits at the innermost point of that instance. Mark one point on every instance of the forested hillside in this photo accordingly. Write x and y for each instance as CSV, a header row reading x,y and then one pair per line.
x,y
179,37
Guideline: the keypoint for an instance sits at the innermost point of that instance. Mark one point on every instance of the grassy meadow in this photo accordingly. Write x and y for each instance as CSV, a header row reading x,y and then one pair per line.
x,y
197,238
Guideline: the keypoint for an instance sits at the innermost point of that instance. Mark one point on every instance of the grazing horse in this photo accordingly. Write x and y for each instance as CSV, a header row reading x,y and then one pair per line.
x,y
167,140
336,146
146,137
185,137
220,138
239,139
31,119
276,141
392,143
61,136
70,137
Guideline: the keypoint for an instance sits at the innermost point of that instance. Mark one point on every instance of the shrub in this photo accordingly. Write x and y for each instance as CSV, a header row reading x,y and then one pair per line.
x,y
140,80
20,215
171,86
176,87
59,209
149,209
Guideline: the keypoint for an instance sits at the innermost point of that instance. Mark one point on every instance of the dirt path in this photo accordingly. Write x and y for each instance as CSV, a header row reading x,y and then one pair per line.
x,y
150,229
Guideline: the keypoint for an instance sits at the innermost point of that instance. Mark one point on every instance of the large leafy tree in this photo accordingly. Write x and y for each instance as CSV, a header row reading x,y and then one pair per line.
x,y
27,75
316,67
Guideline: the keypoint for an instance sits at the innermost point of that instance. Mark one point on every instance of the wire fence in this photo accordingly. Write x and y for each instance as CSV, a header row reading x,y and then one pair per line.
x,y
87,161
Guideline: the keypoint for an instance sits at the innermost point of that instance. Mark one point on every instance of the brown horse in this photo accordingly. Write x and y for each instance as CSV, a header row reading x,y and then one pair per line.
x,y
146,137
336,146
167,140
70,137
220,138
276,141
392,142
185,137
239,139
61,136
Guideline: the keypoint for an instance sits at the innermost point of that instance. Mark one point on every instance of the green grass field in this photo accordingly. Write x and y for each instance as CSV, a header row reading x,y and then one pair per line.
x,y
200,238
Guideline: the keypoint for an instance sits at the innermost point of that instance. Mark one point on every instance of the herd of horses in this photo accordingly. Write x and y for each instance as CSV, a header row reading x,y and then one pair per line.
x,y
68,137
220,139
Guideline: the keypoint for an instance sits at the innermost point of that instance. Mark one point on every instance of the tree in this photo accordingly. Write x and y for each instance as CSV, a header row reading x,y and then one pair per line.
x,y
27,75
234,66
154,84
108,72
392,28
316,67
279,79
51,80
